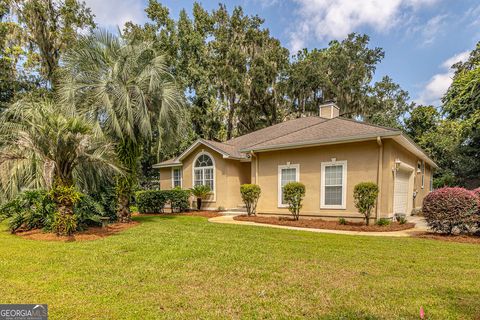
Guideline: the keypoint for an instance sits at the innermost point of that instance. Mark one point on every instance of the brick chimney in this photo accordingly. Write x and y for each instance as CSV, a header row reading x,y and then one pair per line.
x,y
329,110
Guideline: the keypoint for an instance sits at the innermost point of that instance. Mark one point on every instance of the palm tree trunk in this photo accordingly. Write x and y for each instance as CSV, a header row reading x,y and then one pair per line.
x,y
123,210
65,222
65,196
129,152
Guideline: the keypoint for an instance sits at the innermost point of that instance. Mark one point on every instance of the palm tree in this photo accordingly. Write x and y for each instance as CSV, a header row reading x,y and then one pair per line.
x,y
47,146
128,90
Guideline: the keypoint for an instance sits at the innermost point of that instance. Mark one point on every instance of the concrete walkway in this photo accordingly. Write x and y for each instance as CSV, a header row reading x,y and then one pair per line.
x,y
228,219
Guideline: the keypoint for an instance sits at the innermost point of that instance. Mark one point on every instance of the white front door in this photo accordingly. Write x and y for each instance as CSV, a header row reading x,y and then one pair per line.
x,y
401,192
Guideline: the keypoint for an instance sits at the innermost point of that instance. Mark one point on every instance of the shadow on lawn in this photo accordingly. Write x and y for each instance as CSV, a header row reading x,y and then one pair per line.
x,y
150,218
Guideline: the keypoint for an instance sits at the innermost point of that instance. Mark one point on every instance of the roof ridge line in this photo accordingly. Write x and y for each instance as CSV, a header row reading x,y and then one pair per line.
x,y
268,127
369,124
286,134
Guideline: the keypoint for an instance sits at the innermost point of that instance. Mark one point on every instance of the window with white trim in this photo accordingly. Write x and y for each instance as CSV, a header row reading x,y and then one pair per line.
x,y
203,172
286,174
333,191
176,177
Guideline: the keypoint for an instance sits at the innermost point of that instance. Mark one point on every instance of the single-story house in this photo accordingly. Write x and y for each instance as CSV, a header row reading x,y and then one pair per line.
x,y
327,153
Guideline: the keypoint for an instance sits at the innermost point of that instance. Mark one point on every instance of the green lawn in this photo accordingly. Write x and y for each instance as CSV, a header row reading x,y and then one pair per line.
x,y
184,267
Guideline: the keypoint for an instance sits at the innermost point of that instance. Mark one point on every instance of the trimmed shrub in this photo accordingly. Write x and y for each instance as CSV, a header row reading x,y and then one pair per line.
x,y
250,195
178,199
293,192
402,220
383,222
364,195
151,201
450,210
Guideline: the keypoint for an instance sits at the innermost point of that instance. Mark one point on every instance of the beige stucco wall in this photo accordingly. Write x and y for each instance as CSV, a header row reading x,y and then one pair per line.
x,y
229,175
396,151
362,165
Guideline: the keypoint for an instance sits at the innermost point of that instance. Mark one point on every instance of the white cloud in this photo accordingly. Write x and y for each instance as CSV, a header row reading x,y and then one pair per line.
x,y
337,18
462,56
439,83
113,13
473,14
432,28
267,3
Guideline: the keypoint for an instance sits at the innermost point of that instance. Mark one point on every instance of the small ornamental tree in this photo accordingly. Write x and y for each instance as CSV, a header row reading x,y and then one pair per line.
x,y
250,195
293,193
200,192
451,209
365,194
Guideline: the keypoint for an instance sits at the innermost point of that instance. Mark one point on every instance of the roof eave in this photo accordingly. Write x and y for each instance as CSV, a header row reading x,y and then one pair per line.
x,y
410,145
190,149
205,143
166,165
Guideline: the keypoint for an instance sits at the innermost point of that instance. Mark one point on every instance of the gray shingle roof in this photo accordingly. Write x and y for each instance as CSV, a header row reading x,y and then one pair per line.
x,y
332,130
300,131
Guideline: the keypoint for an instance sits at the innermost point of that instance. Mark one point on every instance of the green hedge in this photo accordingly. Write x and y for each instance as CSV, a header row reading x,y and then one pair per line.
x,y
154,201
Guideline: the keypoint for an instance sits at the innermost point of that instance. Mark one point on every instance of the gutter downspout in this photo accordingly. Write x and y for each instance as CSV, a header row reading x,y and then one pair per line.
x,y
256,165
379,178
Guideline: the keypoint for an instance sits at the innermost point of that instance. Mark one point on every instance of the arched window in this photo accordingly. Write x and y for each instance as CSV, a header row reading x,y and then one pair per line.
x,y
203,171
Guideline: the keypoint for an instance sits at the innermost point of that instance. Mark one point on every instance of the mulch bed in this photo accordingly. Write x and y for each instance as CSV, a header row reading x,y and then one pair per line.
x,y
92,233
206,214
448,238
322,224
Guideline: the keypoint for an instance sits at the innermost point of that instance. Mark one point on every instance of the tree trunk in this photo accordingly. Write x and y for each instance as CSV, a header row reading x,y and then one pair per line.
x,y
123,208
64,196
231,113
199,204
65,222
129,152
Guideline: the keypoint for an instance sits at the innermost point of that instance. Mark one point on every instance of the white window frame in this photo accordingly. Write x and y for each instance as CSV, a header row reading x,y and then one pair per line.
x,y
173,176
203,174
279,187
344,185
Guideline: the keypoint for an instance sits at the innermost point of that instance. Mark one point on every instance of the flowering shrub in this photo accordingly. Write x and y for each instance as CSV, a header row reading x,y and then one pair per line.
x,y
451,209
476,192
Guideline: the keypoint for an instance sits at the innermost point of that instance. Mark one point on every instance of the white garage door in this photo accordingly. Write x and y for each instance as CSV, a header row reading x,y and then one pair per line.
x,y
401,191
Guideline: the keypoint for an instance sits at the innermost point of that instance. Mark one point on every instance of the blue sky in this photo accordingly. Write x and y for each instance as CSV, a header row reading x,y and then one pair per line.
x,y
421,38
